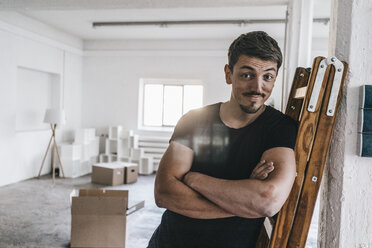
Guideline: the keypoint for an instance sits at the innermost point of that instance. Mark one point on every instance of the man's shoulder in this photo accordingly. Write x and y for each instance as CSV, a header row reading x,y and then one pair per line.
x,y
193,120
199,117
280,130
204,112
275,117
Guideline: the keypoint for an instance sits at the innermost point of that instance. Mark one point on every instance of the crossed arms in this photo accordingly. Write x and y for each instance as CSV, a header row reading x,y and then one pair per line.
x,y
200,196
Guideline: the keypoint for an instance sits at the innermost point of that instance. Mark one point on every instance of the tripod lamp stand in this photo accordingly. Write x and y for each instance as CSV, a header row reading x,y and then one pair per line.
x,y
54,117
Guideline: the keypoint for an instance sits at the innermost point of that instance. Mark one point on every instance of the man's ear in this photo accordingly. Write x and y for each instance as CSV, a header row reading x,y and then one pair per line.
x,y
228,74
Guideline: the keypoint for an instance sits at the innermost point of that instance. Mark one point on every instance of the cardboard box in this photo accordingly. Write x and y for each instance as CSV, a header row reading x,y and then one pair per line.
x,y
115,173
103,158
86,167
85,152
131,173
146,165
115,132
70,151
98,217
137,153
108,173
94,147
71,168
126,133
124,148
111,146
133,141
94,159
85,135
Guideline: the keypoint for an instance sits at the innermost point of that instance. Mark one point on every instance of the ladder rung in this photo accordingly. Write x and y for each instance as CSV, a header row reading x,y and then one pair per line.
x,y
300,93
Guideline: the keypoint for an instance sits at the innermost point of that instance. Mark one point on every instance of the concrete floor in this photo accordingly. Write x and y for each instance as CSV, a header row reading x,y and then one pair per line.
x,y
36,213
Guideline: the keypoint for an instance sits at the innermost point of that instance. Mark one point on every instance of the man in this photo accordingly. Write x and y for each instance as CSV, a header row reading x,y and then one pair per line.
x,y
229,164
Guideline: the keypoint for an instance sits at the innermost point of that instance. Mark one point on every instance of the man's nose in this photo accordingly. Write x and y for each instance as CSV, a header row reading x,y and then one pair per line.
x,y
257,85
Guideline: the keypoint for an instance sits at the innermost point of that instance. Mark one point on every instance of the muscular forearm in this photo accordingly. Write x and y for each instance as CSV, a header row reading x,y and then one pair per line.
x,y
247,198
251,198
180,198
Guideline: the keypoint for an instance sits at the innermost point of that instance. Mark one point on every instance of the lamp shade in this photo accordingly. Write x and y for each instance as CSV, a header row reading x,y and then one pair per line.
x,y
55,116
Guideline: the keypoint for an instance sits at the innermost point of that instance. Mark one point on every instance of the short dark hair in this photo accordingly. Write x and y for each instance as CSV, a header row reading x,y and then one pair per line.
x,y
256,44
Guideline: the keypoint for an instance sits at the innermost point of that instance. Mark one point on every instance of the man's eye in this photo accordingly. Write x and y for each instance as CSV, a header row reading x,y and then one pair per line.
x,y
268,77
246,75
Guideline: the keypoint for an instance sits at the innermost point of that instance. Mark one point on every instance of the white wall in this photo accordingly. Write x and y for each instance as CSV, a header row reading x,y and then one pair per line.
x,y
111,77
98,90
112,71
21,152
111,81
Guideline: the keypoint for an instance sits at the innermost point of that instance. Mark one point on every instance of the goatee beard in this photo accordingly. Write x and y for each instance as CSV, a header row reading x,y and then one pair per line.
x,y
249,109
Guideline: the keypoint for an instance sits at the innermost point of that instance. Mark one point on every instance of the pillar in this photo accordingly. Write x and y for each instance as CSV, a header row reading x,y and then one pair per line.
x,y
346,198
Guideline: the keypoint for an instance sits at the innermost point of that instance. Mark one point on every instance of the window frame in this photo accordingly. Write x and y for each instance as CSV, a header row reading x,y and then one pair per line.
x,y
164,82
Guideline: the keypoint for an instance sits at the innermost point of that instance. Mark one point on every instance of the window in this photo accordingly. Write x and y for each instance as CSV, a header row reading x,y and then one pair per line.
x,y
163,102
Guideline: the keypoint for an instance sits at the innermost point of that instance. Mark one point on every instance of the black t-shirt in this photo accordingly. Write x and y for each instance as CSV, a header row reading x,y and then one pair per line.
x,y
227,153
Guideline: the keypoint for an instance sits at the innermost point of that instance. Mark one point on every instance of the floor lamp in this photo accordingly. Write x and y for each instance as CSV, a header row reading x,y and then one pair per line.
x,y
54,117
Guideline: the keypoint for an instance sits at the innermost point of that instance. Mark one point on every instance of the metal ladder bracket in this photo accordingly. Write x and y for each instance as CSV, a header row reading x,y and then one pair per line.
x,y
339,71
317,86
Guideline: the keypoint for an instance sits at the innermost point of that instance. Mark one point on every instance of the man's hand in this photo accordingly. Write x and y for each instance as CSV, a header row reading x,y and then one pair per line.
x,y
262,170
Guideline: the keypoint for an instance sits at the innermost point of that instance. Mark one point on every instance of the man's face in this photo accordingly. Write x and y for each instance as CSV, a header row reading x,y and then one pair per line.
x,y
252,81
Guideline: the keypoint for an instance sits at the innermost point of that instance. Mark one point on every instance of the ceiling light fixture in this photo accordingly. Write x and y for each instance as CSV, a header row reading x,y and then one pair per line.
x,y
164,24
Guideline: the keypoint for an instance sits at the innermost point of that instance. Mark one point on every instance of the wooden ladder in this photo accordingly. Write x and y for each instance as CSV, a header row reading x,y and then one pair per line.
x,y
313,102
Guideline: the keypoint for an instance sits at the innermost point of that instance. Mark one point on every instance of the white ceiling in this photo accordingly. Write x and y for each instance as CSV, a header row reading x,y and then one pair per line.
x,y
129,4
75,17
